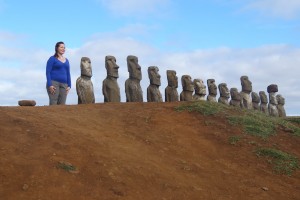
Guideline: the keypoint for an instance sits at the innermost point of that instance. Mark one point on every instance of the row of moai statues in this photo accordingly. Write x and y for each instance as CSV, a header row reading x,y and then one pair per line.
x,y
192,90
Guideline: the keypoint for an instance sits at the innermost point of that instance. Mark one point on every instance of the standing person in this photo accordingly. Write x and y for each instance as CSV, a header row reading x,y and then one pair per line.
x,y
58,76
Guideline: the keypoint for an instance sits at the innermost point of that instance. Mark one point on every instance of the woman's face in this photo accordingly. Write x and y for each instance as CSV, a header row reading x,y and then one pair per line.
x,y
61,49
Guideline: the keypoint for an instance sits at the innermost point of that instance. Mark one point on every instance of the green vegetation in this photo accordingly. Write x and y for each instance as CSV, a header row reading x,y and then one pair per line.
x,y
66,166
203,107
282,162
255,123
234,139
295,120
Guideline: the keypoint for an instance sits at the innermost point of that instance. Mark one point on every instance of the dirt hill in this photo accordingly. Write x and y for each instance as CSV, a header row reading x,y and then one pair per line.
x,y
136,151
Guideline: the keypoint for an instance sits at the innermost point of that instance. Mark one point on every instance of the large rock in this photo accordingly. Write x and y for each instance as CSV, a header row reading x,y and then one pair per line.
x,y
27,103
235,98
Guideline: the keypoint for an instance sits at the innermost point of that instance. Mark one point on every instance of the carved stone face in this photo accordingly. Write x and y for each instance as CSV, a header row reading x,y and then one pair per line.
x,y
86,67
273,99
280,99
246,84
172,78
224,92
111,66
255,97
199,86
263,97
235,95
187,83
154,75
134,68
212,87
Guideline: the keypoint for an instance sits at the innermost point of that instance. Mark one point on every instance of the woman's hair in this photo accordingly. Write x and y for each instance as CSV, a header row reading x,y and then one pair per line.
x,y
56,48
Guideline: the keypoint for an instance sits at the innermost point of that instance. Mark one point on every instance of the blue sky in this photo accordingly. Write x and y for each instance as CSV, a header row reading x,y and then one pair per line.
x,y
220,39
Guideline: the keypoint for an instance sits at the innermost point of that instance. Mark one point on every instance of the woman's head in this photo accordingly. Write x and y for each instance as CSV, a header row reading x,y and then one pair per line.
x,y
59,48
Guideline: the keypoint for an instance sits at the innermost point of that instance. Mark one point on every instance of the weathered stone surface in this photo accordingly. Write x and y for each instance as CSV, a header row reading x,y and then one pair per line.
x,y
171,93
255,101
110,87
84,85
133,88
263,102
272,88
212,90
245,93
224,94
272,106
153,93
200,90
187,88
27,103
280,106
235,98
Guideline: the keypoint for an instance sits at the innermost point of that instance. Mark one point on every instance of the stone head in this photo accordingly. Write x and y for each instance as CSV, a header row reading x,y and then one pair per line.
x,y
263,97
172,78
246,84
272,88
187,83
154,75
86,67
199,86
235,95
212,87
134,68
224,92
255,97
280,99
111,66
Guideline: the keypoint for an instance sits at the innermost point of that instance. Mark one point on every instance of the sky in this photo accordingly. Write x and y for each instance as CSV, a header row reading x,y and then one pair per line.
x,y
219,39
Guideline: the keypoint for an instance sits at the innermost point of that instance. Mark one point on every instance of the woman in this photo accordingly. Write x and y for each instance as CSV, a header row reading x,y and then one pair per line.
x,y
58,76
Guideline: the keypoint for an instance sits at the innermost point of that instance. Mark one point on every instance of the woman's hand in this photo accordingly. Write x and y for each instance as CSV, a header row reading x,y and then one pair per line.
x,y
68,89
52,89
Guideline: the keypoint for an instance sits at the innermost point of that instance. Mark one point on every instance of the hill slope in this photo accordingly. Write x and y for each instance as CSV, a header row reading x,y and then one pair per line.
x,y
134,151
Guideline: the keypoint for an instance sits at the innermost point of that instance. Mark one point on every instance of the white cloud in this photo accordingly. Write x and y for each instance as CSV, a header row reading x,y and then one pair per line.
x,y
276,8
263,65
135,7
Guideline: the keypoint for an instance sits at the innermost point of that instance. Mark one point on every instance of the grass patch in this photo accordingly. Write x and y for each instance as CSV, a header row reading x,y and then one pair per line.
x,y
66,166
234,139
287,124
295,120
255,123
203,107
282,162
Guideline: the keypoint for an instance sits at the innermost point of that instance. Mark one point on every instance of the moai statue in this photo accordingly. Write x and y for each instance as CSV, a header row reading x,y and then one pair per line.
x,y
171,93
272,106
84,85
110,87
263,102
224,94
255,101
212,90
235,98
187,88
280,106
245,93
133,88
153,93
200,90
